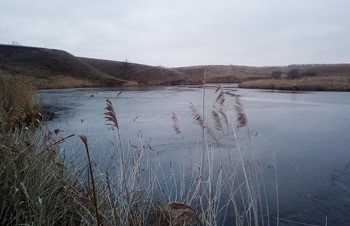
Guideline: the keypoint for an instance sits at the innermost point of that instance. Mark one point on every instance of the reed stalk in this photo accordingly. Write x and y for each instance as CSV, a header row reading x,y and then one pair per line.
x,y
220,179
94,194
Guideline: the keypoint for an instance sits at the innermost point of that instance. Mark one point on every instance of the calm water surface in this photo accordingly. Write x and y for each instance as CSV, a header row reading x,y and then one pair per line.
x,y
306,134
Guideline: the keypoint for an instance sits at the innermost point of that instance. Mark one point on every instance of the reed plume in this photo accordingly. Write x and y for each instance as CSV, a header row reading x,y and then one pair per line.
x,y
199,120
112,119
223,116
217,120
241,117
176,124
110,115
220,99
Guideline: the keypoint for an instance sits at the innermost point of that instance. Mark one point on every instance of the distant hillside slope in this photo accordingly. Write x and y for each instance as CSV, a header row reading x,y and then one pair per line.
x,y
226,73
142,74
322,77
234,73
150,75
50,68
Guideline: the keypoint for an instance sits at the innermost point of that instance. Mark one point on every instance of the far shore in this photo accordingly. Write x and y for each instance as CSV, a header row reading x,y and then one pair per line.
x,y
306,84
340,83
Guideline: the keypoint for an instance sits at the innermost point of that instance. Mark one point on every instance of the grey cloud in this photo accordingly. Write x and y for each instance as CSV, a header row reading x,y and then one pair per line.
x,y
176,33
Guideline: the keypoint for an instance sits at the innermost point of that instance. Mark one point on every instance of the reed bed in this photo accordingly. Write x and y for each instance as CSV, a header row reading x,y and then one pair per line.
x,y
219,184
18,102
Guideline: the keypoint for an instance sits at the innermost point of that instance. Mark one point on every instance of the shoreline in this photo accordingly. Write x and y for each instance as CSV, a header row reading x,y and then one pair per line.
x,y
267,84
341,84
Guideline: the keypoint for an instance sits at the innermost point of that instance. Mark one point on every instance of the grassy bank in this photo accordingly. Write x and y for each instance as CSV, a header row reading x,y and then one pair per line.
x,y
220,184
327,83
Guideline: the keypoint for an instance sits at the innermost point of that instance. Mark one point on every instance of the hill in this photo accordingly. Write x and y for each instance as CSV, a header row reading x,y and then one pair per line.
x,y
51,68
143,75
319,77
226,73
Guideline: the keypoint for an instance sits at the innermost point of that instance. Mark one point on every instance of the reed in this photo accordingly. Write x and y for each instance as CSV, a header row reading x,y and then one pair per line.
x,y
239,180
36,186
94,194
217,183
18,101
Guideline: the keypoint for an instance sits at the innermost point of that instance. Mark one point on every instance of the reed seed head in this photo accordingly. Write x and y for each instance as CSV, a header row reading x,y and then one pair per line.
x,y
111,115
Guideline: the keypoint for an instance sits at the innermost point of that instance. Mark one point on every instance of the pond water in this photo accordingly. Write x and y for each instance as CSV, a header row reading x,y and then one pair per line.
x,y
305,134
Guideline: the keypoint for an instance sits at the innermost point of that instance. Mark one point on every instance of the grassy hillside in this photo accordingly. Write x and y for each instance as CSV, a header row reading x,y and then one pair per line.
x,y
226,73
320,77
328,77
50,68
141,74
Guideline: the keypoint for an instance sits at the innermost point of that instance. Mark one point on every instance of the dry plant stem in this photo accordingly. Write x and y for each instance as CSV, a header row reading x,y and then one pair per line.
x,y
203,132
200,181
112,120
267,206
251,211
60,140
56,143
277,197
242,121
111,198
297,222
84,139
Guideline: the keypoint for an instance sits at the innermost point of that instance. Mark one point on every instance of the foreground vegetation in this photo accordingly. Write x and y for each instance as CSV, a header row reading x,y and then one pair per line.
x,y
40,187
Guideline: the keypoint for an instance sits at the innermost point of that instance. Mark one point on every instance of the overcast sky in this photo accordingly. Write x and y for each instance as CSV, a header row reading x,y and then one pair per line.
x,y
184,32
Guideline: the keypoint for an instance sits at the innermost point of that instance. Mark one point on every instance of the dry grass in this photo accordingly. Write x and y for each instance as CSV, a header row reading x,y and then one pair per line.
x,y
60,82
83,138
41,188
231,181
18,101
50,68
177,213
36,187
318,83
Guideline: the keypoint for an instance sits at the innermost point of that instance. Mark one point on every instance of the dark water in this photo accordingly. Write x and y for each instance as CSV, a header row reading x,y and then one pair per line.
x,y
306,134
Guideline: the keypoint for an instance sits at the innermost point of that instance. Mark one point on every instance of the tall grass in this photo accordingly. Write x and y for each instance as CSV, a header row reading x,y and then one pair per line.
x,y
18,102
232,178
37,187
220,182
